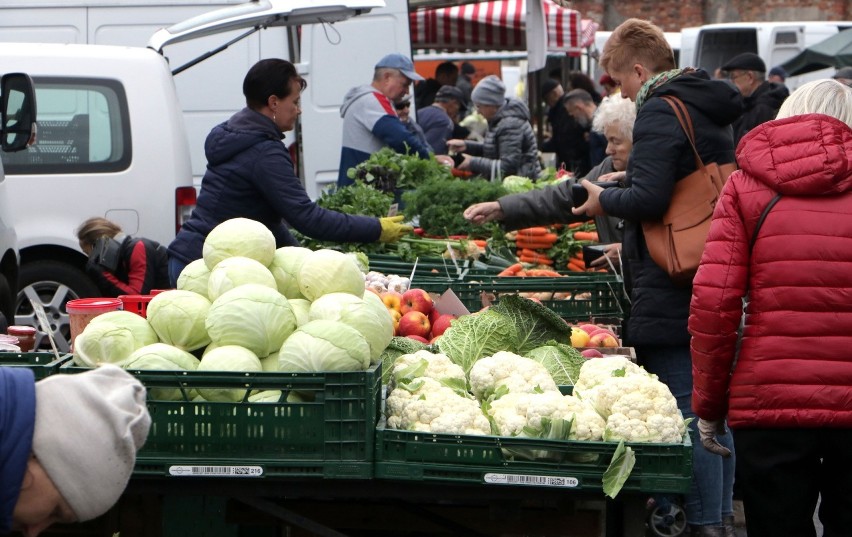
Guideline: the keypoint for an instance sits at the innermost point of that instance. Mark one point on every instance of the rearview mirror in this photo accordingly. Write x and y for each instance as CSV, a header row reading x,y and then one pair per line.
x,y
18,114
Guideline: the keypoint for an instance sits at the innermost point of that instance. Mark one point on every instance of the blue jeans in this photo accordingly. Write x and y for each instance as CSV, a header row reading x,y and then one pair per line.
x,y
175,268
711,494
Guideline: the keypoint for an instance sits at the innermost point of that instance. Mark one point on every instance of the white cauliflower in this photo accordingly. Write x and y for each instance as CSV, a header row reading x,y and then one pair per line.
x,y
424,404
426,364
510,413
528,415
505,371
596,370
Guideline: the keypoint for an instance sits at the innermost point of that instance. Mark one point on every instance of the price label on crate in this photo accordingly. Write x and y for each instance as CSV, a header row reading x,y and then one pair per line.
x,y
531,480
216,471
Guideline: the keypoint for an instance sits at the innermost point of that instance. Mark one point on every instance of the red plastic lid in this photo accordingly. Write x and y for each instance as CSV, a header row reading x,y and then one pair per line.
x,y
18,330
93,303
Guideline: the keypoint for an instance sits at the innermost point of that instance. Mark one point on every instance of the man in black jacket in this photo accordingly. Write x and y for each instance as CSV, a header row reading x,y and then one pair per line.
x,y
567,138
762,98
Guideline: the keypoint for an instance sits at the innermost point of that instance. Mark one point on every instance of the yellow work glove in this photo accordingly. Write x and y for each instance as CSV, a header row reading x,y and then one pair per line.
x,y
392,230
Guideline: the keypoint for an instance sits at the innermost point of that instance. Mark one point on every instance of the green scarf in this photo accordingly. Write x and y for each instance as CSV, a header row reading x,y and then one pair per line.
x,y
655,82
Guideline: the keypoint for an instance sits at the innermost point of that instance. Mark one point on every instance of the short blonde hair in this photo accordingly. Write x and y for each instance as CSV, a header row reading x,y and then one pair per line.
x,y
825,96
615,110
637,41
94,228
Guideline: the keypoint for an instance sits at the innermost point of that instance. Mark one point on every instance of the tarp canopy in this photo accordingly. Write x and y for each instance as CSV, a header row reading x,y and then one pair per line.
x,y
495,25
836,51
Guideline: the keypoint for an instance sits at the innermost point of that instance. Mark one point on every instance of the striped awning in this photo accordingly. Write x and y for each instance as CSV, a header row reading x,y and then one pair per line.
x,y
495,25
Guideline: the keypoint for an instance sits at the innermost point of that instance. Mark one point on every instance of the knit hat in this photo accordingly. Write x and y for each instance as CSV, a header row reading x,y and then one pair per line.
x,y
88,429
489,90
779,71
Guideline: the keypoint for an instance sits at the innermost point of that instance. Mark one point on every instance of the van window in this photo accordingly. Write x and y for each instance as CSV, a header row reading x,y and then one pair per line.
x,y
83,127
715,47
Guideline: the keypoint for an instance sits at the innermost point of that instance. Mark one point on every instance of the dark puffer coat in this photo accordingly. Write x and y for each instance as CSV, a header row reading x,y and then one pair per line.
x,y
794,368
760,107
661,156
250,175
509,143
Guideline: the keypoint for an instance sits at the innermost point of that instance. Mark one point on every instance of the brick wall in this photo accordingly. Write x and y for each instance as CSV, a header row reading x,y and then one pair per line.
x,y
672,15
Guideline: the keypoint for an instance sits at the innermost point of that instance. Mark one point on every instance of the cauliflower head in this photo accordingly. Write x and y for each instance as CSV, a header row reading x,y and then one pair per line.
x,y
424,404
426,364
596,370
506,371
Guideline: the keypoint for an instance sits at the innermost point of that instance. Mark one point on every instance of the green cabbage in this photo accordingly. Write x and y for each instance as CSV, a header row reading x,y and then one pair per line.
x,y
141,328
324,345
515,184
252,316
359,313
301,309
227,358
235,271
563,362
285,269
160,356
330,271
270,363
108,342
239,237
471,337
178,317
194,278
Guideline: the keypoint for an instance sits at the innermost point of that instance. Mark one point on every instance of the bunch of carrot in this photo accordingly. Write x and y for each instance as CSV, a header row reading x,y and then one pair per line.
x,y
532,244
518,270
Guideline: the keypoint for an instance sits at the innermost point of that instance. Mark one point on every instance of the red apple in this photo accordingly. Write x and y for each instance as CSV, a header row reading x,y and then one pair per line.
x,y
416,300
414,323
591,353
418,338
603,338
589,328
441,324
434,340
603,331
433,315
392,300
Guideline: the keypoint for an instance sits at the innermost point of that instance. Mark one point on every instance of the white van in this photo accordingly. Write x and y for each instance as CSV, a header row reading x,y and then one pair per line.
x,y
17,120
113,139
711,45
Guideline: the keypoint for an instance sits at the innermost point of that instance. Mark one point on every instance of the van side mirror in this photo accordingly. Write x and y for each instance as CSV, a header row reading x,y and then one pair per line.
x,y
18,113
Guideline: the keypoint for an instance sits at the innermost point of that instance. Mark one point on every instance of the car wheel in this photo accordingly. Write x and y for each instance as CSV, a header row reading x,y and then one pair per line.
x,y
51,284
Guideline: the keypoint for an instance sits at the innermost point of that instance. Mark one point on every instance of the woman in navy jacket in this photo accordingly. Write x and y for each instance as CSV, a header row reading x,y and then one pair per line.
x,y
250,175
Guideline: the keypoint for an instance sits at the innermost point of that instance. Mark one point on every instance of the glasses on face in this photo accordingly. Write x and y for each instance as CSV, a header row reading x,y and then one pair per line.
x,y
735,75
401,106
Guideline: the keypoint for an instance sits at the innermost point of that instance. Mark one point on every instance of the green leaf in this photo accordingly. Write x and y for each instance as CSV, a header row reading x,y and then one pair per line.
x,y
616,474
619,372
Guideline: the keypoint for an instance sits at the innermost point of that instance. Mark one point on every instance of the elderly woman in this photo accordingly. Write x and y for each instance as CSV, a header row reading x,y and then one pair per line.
x,y
614,119
787,401
509,147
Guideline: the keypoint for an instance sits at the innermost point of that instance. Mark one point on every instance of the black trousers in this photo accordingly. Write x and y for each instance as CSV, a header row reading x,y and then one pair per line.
x,y
781,473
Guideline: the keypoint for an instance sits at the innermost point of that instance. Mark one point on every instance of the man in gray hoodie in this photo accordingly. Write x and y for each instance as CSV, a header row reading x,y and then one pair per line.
x,y
369,119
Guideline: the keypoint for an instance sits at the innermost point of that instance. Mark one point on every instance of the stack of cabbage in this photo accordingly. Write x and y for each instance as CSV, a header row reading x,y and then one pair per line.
x,y
249,307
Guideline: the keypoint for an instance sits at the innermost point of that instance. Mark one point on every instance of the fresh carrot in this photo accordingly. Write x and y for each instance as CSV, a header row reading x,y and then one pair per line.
x,y
543,273
533,245
575,225
579,254
511,270
481,243
533,231
536,259
533,253
586,236
575,267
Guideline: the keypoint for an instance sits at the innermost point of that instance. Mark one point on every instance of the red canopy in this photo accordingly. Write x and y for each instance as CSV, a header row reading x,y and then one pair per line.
x,y
495,25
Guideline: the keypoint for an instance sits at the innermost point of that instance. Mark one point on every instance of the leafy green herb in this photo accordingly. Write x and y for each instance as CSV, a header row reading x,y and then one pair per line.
x,y
440,203
387,170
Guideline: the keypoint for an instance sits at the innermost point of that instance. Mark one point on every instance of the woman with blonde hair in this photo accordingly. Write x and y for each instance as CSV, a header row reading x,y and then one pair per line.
x,y
780,237
120,264
640,60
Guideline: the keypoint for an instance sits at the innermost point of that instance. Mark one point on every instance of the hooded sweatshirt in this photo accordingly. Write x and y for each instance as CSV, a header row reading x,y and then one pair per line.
x,y
794,368
17,422
661,156
369,124
509,147
250,175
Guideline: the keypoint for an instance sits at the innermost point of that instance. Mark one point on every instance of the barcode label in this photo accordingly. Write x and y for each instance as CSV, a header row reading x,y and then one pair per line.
x,y
216,471
532,480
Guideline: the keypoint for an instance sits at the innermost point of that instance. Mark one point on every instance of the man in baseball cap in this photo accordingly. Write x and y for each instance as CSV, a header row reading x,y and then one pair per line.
x,y
370,121
761,98
439,120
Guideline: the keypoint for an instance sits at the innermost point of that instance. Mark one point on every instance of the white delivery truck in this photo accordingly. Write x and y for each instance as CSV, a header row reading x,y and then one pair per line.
x,y
17,121
711,45
113,136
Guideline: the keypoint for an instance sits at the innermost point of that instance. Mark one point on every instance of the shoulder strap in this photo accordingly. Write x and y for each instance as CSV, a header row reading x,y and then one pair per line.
x,y
760,220
685,121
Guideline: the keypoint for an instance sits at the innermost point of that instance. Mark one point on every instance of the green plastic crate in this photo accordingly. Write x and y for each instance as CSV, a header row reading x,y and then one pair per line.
x,y
415,456
592,296
330,437
43,364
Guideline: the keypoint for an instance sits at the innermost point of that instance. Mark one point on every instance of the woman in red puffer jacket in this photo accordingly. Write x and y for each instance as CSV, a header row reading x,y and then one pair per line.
x,y
787,393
